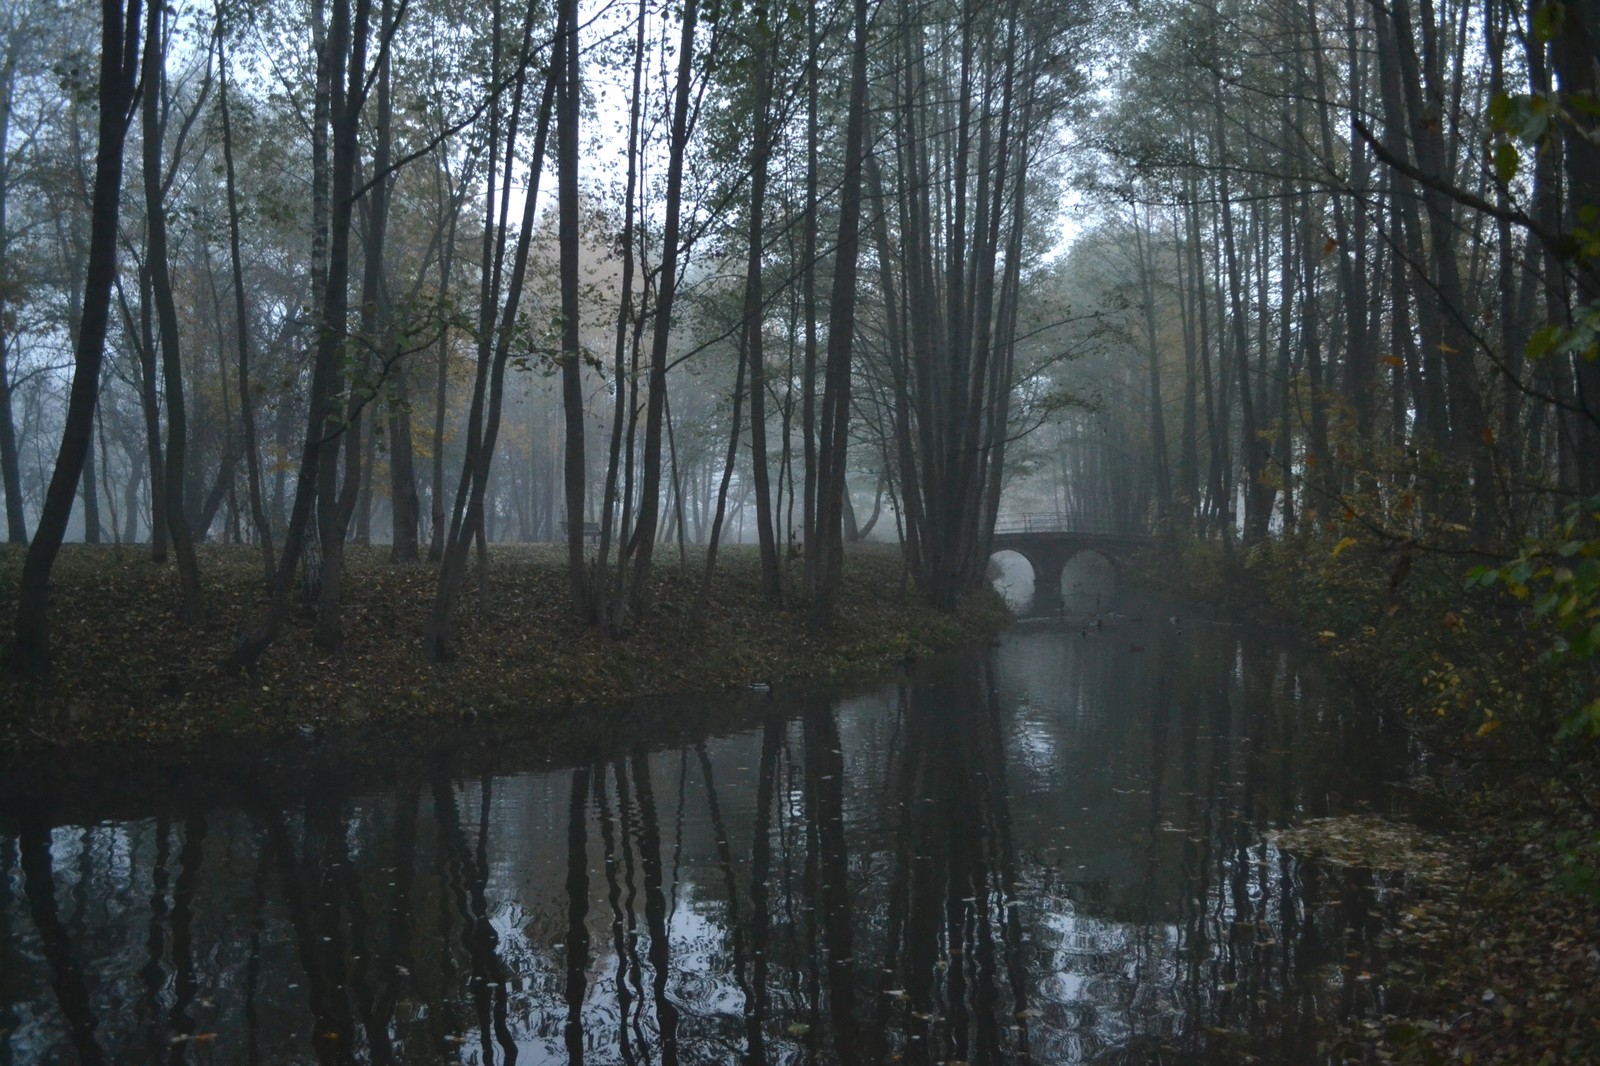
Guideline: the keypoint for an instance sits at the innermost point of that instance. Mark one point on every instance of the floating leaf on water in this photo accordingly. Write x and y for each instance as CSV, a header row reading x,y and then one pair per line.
x,y
1374,843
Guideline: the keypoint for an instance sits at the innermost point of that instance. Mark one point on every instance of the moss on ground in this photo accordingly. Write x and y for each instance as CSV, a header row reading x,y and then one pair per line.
x,y
125,669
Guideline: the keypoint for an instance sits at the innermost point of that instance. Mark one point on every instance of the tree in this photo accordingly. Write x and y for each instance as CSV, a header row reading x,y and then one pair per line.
x,y
119,69
154,107
18,41
642,542
494,339
959,195
247,407
571,345
825,550
342,56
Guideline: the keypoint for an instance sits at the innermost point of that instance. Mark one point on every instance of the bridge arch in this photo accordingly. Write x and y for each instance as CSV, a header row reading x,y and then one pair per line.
x,y
1089,578
1016,578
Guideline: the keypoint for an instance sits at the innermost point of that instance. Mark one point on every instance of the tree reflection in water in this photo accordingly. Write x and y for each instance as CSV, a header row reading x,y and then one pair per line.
x,y
1050,854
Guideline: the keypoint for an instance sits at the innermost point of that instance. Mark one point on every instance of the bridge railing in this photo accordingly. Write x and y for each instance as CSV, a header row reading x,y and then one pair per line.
x,y
1060,522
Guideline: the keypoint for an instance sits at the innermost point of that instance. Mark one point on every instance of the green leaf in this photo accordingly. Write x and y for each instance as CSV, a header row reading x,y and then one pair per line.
x,y
1506,160
1583,103
1499,112
1547,19
1585,722
1544,341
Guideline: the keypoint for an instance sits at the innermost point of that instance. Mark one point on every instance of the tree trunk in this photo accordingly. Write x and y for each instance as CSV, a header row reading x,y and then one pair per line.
x,y
722,491
10,463
808,301
666,290
1573,54
319,452
119,48
494,346
1188,490
347,41
609,615
144,342
241,312
571,343
1257,495
761,151
827,567
447,255
154,131
1158,427
89,490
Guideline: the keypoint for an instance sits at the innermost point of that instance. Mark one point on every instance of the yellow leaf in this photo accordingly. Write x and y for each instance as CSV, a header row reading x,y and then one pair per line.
x,y
1347,542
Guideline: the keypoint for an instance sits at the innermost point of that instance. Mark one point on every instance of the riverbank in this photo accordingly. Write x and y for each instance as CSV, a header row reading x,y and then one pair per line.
x,y
1497,959
127,671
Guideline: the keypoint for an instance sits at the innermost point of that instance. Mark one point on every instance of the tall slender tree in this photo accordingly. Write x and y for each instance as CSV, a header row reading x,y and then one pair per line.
x,y
116,95
154,107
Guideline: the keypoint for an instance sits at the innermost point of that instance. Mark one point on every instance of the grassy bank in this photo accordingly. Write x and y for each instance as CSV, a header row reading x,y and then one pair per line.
x,y
1499,958
125,668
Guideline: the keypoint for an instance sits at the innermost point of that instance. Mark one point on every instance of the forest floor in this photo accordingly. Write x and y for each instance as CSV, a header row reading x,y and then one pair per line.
x,y
126,670
1495,956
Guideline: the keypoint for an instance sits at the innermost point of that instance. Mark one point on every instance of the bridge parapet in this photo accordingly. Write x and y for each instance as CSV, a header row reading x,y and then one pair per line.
x,y
1062,522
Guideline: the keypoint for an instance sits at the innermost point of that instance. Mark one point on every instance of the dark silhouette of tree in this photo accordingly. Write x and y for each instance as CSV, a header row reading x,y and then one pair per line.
x,y
119,68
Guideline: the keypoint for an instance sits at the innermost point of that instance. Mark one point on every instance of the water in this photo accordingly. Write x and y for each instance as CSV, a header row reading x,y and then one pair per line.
x,y
1052,852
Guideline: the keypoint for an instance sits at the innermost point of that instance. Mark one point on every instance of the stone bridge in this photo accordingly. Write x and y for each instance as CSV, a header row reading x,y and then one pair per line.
x,y
1049,540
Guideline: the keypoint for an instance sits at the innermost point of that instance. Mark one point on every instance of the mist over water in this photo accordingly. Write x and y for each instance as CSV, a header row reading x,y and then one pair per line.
x,y
1052,852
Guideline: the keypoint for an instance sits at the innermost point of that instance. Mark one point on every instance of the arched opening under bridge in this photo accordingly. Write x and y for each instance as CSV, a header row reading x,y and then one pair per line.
x,y
1013,576
1088,582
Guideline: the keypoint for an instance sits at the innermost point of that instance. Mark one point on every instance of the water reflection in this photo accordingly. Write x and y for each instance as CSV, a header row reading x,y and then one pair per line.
x,y
1049,854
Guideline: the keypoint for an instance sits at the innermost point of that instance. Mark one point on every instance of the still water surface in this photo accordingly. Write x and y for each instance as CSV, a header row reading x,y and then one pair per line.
x,y
1051,852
